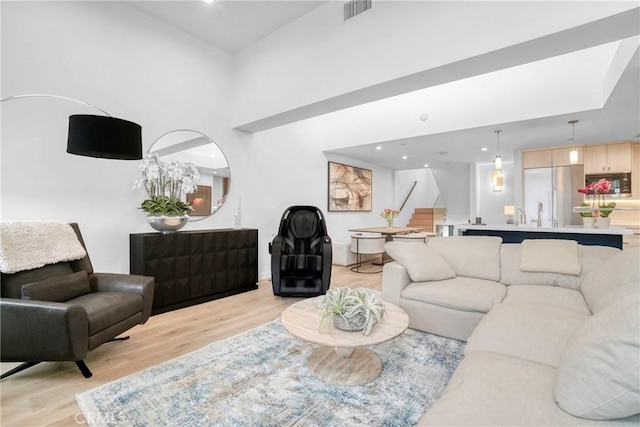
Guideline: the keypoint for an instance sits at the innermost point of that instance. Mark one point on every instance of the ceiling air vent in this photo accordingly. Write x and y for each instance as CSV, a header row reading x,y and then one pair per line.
x,y
356,7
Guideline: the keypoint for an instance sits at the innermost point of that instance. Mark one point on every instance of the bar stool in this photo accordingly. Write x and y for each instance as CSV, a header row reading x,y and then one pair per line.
x,y
366,245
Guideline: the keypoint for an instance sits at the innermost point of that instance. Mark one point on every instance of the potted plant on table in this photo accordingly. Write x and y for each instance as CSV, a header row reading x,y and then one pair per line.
x,y
601,188
600,210
351,309
165,183
389,214
588,221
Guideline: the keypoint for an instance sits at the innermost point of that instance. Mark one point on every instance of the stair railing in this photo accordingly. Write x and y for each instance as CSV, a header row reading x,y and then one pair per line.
x,y
407,196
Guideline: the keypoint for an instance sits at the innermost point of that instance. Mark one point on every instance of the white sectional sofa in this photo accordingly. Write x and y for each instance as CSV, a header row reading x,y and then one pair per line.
x,y
552,328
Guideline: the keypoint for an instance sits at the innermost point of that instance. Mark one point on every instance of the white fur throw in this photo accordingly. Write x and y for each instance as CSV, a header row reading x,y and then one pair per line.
x,y
25,245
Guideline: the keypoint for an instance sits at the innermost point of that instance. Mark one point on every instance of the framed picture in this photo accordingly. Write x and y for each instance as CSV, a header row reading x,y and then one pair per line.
x,y
200,201
349,188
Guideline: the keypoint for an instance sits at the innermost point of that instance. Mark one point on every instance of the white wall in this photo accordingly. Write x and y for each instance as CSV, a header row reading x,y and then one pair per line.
x,y
110,55
454,182
490,204
287,167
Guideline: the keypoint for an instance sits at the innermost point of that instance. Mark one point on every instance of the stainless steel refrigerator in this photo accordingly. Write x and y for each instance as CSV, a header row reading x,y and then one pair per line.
x,y
556,188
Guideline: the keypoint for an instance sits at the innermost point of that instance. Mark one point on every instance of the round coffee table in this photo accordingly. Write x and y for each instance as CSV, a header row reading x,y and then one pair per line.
x,y
342,358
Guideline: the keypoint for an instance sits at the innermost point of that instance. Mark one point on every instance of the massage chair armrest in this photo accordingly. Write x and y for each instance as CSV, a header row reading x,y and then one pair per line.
x,y
33,330
113,282
394,279
276,243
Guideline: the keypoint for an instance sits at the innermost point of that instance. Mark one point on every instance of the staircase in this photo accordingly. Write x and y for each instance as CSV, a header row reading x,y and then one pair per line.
x,y
427,218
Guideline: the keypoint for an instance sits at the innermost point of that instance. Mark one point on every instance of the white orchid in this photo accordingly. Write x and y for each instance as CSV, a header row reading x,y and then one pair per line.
x,y
167,178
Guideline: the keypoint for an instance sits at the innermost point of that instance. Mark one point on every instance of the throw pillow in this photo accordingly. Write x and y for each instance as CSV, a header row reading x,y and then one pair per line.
x,y
599,373
470,256
615,277
422,263
58,289
550,256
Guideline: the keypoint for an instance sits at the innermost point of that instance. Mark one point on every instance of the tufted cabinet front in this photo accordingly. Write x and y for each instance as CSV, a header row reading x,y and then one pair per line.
x,y
191,267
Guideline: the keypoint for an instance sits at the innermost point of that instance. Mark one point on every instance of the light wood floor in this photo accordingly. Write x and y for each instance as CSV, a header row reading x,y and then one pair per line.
x,y
44,395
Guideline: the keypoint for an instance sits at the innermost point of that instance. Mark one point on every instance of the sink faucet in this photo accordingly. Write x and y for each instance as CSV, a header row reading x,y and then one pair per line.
x,y
521,218
539,219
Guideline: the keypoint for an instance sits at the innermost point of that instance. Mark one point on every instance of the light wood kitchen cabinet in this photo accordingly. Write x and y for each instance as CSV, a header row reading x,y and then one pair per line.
x,y
551,157
560,156
607,158
536,159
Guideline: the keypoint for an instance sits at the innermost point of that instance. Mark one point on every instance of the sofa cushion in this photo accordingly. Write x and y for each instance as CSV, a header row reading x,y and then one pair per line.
x,y
599,373
511,274
554,296
58,289
460,293
550,256
105,309
471,256
489,389
535,332
422,263
615,278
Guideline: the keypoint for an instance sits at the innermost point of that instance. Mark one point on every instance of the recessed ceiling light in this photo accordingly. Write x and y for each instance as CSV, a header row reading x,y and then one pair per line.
x,y
484,148
426,166
404,157
379,147
208,1
424,117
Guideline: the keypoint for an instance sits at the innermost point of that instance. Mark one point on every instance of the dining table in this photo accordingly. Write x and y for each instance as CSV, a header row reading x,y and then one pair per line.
x,y
388,232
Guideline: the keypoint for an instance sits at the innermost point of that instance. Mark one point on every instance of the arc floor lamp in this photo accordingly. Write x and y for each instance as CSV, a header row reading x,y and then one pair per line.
x,y
103,137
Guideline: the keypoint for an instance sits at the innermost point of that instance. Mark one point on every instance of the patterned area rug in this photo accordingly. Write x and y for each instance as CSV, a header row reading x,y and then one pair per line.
x,y
260,378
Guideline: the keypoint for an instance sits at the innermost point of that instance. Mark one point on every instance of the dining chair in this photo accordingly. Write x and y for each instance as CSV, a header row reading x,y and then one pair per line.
x,y
367,245
413,237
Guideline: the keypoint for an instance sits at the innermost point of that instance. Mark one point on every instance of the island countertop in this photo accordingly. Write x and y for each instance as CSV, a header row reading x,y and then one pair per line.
x,y
618,231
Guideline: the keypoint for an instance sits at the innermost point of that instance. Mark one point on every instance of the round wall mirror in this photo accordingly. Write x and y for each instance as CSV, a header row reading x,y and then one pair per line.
x,y
215,177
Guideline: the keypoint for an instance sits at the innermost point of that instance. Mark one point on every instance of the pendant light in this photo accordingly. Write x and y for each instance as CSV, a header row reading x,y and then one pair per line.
x,y
498,159
573,153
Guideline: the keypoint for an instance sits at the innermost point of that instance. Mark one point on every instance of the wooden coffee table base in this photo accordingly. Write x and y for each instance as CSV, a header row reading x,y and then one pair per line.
x,y
345,366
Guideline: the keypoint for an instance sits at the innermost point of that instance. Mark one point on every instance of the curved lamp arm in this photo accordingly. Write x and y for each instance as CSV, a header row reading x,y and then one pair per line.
x,y
46,95
97,136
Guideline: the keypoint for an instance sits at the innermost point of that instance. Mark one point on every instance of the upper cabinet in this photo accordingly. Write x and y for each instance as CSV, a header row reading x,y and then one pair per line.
x,y
536,159
562,156
551,157
607,158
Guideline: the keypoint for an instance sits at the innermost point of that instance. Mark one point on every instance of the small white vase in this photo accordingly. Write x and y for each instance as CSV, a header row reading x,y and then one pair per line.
x,y
588,222
603,222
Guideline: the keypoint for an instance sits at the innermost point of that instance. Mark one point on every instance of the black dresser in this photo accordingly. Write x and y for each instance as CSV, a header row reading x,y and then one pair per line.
x,y
191,267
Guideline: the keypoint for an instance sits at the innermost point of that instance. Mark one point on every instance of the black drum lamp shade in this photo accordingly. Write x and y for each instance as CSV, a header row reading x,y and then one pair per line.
x,y
104,137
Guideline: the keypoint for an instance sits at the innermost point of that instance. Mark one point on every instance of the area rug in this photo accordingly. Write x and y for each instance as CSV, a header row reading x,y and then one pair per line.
x,y
260,378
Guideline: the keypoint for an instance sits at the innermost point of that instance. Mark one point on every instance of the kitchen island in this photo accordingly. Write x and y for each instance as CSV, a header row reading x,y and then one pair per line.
x,y
516,234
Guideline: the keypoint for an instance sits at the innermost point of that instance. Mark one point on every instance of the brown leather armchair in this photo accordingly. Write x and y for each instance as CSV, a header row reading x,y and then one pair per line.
x,y
61,311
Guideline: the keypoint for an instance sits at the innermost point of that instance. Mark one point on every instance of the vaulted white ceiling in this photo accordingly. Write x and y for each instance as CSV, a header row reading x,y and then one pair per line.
x,y
529,90
229,24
